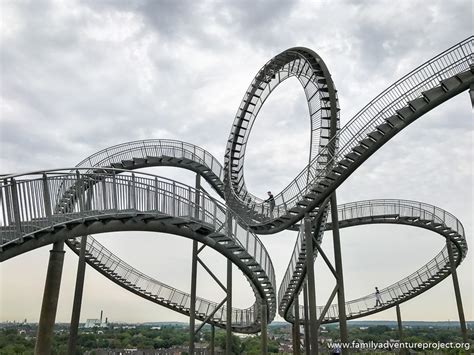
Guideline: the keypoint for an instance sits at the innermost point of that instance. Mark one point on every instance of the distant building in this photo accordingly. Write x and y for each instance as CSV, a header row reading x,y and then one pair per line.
x,y
91,323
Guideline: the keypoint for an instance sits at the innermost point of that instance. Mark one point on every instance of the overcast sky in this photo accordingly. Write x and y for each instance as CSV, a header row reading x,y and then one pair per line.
x,y
77,77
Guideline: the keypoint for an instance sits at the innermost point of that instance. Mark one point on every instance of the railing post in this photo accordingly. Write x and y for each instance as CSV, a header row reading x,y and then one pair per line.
x,y
47,198
156,195
114,191
16,209
197,197
79,191
104,194
173,200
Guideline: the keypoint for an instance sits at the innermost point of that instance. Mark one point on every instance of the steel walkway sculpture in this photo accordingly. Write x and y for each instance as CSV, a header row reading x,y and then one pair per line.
x,y
103,193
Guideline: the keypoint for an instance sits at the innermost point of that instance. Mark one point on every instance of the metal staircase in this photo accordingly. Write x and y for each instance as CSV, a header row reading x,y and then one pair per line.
x,y
107,201
423,89
104,194
411,213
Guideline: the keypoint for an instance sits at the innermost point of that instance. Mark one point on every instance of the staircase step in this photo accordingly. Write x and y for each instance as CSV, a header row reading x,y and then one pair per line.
x,y
395,121
418,103
433,93
405,112
450,83
376,135
384,128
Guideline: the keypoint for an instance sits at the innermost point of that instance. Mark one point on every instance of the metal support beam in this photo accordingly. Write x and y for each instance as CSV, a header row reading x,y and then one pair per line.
x,y
471,94
76,307
50,300
400,329
399,321
341,302
328,304
228,338
457,291
192,307
213,337
306,320
194,258
296,325
311,286
264,335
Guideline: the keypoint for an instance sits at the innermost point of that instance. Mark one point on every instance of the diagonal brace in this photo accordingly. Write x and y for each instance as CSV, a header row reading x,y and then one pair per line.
x,y
210,315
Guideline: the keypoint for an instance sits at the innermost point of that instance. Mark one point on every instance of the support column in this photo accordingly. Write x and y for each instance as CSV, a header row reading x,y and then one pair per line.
x,y
341,301
50,300
399,321
311,286
76,307
296,324
471,94
213,337
228,338
264,349
192,307
306,320
457,291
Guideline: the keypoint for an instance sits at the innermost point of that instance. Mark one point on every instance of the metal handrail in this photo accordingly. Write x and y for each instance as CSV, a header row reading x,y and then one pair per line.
x,y
443,66
428,274
109,192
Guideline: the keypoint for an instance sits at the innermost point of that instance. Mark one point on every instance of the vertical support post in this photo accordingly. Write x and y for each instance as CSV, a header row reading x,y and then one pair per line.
x,y
306,320
399,321
471,94
228,339
192,308
16,209
46,198
264,333
213,337
457,291
50,300
341,302
311,286
296,324
76,307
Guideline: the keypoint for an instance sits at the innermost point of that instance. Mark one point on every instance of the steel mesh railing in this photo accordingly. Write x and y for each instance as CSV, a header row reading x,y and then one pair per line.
x,y
391,209
29,205
453,61
154,148
118,269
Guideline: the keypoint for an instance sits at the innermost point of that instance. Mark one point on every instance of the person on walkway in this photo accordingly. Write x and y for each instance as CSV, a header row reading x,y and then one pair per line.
x,y
378,298
271,201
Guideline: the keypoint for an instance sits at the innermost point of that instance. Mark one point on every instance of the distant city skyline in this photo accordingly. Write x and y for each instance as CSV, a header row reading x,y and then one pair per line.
x,y
79,77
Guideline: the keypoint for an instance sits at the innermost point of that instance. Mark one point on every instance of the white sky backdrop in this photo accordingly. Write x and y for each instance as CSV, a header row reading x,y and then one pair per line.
x,y
77,77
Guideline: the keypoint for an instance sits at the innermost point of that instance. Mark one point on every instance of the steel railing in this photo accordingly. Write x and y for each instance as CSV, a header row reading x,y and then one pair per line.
x,y
29,205
390,210
453,61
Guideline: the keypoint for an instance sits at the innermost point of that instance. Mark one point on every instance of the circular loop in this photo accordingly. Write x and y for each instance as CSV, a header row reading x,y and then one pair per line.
x,y
321,96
